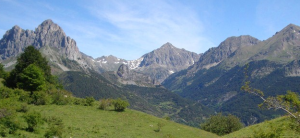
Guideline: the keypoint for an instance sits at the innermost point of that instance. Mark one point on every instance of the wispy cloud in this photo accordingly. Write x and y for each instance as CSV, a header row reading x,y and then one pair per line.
x,y
127,29
149,24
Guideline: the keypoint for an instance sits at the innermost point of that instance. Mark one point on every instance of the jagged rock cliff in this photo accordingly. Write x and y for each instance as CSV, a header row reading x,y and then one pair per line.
x,y
49,34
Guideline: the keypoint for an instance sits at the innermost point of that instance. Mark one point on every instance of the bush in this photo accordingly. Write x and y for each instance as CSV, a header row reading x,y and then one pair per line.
x,y
23,108
89,101
5,92
222,125
159,126
61,97
120,105
32,119
8,123
78,101
40,98
105,103
56,127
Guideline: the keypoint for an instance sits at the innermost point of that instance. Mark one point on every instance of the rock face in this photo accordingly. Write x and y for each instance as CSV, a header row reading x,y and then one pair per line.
x,y
48,33
214,56
166,60
127,76
171,57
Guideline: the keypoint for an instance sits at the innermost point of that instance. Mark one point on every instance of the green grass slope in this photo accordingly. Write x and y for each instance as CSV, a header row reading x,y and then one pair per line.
x,y
275,125
90,122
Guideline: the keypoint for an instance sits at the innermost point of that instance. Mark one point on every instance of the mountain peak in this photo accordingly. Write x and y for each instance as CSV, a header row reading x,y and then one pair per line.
x,y
167,45
48,21
290,28
16,27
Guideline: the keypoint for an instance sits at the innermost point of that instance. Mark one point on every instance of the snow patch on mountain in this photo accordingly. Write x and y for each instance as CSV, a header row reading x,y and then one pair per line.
x,y
134,64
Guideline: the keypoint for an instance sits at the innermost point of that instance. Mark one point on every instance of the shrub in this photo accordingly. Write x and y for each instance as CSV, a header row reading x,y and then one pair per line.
x,y
120,105
78,101
89,101
159,126
32,119
60,97
8,123
23,108
56,127
40,98
105,103
5,92
222,125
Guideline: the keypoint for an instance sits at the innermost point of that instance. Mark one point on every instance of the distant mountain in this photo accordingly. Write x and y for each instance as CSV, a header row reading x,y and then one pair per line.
x,y
158,64
64,55
166,60
215,80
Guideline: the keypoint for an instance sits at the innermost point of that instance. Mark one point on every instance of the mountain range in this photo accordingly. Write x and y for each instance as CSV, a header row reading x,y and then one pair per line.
x,y
212,79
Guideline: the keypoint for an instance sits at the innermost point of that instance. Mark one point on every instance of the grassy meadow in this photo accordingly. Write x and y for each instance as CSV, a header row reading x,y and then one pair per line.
x,y
90,122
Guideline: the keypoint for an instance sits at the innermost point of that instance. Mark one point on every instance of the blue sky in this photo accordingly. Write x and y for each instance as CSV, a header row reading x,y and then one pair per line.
x,y
130,28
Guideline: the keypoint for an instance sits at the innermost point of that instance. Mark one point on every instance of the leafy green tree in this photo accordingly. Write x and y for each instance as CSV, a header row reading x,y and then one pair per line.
x,y
30,56
32,79
120,105
221,125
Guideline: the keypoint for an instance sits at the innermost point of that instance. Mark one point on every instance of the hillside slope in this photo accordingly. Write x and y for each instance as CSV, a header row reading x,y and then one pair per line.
x,y
265,127
83,121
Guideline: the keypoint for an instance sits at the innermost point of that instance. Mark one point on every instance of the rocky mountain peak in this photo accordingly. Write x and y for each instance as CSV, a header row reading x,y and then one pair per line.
x,y
214,56
46,34
167,46
48,26
16,27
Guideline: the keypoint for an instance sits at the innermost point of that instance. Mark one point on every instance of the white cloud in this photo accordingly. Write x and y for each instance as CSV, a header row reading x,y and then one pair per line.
x,y
150,24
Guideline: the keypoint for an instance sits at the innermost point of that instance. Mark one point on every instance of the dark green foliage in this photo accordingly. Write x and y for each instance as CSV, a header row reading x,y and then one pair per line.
x,y
89,101
6,92
30,56
221,125
120,105
78,101
56,127
33,119
7,121
40,98
23,108
31,79
83,85
3,74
